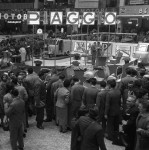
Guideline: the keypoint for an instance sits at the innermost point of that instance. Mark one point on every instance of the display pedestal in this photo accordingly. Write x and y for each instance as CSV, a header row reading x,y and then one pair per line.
x,y
101,61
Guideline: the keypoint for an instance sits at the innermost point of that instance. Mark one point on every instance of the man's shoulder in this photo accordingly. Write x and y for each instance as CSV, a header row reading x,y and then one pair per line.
x,y
103,92
16,102
76,86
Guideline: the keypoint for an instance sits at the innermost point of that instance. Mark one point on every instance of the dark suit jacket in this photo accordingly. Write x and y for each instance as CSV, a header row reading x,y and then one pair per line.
x,y
40,93
15,112
93,138
130,117
113,102
49,99
89,96
101,102
92,134
77,91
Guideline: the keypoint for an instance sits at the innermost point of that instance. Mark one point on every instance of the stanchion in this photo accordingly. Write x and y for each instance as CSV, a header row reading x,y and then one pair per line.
x,y
98,32
71,45
86,45
55,45
108,40
44,45
33,46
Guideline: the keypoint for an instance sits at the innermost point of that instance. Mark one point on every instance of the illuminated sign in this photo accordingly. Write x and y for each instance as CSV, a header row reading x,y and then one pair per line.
x,y
13,16
56,18
33,17
110,18
72,18
88,18
134,10
13,21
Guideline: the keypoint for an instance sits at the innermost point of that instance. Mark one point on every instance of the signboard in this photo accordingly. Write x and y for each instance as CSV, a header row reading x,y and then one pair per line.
x,y
106,49
125,49
33,17
12,16
134,10
134,2
110,18
88,18
143,47
14,21
72,18
80,47
56,18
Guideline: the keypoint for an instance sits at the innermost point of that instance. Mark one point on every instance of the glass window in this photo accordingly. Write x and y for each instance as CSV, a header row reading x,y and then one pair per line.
x,y
111,3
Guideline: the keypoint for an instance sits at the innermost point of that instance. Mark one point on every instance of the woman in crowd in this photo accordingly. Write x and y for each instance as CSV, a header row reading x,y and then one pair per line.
x,y
62,99
3,84
142,125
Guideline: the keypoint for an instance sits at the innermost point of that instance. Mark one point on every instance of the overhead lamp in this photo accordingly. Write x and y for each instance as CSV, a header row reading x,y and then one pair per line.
x,y
129,22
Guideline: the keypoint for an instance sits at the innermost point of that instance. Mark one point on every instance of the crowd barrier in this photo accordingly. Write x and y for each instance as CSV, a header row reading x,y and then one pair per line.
x,y
109,48
63,69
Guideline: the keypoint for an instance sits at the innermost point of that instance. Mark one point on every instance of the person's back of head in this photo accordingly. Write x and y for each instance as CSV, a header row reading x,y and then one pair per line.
x,y
14,81
30,70
67,83
111,83
75,79
14,92
103,84
41,74
9,87
93,112
62,76
93,81
137,83
134,73
128,71
142,72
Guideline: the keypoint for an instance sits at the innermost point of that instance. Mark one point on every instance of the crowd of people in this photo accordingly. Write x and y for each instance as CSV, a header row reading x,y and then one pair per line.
x,y
20,50
93,110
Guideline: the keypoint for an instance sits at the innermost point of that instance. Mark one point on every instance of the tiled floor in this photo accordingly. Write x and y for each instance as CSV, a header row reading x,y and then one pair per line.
x,y
48,139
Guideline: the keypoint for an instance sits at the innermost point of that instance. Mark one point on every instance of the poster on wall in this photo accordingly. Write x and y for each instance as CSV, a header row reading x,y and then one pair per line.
x,y
124,49
80,47
106,49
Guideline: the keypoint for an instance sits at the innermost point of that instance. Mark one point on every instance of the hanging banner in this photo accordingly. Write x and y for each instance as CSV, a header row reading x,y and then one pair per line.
x,y
56,18
80,47
33,17
88,18
106,49
72,18
110,18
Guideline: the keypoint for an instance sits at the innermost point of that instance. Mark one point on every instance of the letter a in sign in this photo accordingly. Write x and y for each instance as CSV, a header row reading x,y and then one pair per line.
x,y
88,18
56,18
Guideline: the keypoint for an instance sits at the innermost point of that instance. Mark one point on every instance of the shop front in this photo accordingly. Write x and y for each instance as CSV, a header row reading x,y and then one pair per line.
x,y
134,18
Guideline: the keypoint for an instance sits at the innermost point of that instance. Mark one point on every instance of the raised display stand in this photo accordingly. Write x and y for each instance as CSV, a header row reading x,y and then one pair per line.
x,y
101,61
